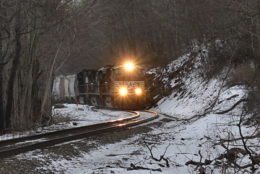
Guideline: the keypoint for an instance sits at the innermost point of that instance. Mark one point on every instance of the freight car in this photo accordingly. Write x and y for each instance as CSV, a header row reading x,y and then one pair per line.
x,y
122,86
65,89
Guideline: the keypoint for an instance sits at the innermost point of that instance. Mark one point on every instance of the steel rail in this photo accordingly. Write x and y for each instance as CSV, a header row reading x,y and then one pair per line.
x,y
80,133
69,130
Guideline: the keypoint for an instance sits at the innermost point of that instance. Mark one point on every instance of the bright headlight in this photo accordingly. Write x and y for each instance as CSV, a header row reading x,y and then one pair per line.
x,y
123,91
138,91
129,66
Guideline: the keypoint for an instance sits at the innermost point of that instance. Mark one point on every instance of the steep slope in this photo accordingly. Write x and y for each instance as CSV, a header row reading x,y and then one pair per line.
x,y
190,92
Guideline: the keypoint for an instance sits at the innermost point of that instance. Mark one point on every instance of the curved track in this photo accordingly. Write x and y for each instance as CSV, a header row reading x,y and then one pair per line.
x,y
24,144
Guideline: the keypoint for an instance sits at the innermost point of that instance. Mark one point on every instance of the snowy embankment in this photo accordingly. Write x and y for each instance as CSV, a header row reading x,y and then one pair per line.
x,y
82,115
194,94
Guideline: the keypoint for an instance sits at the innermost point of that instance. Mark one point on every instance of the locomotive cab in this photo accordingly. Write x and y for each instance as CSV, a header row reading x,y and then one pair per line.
x,y
113,87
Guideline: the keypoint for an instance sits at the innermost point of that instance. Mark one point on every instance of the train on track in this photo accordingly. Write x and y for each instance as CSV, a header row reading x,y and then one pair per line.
x,y
121,87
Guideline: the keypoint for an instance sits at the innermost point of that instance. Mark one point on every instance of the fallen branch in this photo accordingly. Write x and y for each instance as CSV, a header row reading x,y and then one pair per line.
x,y
161,157
247,149
200,163
233,107
196,163
232,154
236,139
133,167
229,98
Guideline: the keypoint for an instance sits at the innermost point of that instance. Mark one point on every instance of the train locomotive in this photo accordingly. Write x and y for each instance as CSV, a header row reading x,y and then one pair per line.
x,y
121,87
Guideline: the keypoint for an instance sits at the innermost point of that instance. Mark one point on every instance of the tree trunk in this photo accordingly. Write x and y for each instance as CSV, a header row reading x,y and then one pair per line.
x,y
13,75
258,34
1,100
1,89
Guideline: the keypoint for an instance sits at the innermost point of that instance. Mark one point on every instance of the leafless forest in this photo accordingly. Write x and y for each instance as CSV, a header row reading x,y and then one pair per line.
x,y
42,38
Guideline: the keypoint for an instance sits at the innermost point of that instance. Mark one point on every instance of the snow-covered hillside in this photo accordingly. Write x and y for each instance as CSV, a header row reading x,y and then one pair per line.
x,y
199,131
191,93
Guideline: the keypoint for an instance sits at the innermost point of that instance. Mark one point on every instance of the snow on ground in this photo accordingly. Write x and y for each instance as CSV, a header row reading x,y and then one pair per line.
x,y
179,139
86,115
185,140
73,115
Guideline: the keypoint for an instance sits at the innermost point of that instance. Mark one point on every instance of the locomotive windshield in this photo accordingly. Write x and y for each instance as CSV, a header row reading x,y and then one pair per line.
x,y
122,75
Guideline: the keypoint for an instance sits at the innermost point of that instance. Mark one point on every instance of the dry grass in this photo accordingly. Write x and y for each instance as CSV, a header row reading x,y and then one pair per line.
x,y
59,106
242,75
59,118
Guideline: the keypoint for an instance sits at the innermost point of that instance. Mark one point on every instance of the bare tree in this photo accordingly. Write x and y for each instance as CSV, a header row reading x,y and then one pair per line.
x,y
25,59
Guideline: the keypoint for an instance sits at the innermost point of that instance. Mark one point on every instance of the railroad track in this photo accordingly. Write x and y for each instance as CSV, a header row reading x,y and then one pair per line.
x,y
20,145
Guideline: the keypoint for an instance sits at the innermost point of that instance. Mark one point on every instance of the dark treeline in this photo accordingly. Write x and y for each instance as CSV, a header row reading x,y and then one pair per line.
x,y
155,32
43,38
